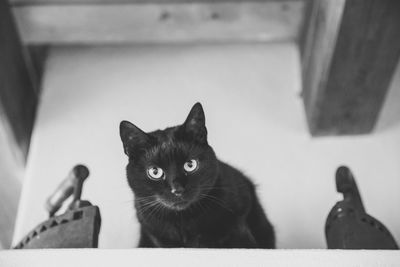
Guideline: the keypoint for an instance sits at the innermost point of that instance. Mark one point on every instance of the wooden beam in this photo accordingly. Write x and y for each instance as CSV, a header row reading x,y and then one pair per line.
x,y
349,55
165,23
114,2
18,91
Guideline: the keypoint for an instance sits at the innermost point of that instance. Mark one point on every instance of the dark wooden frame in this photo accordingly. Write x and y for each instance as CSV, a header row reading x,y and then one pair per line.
x,y
350,50
19,83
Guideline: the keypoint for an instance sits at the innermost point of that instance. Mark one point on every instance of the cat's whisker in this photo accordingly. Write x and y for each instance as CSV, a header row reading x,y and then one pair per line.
x,y
243,185
161,212
202,207
155,210
149,206
217,201
144,198
218,189
144,203
146,208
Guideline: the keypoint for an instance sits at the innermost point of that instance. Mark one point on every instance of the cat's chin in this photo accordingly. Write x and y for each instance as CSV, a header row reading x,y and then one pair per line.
x,y
174,205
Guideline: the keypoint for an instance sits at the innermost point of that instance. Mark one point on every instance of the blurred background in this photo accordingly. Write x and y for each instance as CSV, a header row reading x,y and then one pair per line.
x,y
291,90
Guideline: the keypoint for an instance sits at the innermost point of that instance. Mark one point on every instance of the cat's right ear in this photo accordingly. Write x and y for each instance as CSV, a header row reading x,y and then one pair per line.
x,y
195,124
131,136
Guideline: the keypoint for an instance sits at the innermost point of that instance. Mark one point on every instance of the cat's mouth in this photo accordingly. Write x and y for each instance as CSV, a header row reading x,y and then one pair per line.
x,y
174,204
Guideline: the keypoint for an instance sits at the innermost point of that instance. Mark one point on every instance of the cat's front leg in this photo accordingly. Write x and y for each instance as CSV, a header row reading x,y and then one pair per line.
x,y
149,240
240,237
146,241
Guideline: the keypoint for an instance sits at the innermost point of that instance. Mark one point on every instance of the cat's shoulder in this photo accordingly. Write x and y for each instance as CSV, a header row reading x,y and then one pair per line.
x,y
233,175
239,189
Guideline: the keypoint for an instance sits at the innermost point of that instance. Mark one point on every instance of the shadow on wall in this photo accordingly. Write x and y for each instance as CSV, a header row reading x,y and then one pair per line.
x,y
390,113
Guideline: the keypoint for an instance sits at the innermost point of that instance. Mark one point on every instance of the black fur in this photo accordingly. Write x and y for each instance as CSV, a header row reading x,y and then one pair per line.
x,y
218,207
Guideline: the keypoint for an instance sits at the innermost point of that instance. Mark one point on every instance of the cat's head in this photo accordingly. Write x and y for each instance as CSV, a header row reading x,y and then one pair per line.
x,y
174,167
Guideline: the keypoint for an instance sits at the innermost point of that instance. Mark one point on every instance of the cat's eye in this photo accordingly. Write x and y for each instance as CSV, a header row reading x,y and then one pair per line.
x,y
155,173
191,165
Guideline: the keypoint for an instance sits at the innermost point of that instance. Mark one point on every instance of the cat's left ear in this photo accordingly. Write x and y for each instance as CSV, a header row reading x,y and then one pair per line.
x,y
195,124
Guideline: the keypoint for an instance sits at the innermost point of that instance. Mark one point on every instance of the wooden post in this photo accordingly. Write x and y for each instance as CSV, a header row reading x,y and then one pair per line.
x,y
349,53
18,84
89,22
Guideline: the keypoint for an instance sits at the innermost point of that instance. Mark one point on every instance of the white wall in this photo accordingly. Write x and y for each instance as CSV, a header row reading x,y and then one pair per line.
x,y
255,119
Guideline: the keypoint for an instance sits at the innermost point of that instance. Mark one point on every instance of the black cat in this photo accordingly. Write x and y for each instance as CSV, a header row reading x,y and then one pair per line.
x,y
185,196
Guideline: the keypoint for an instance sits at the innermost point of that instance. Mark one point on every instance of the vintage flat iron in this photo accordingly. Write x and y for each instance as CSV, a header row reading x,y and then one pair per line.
x,y
78,227
348,226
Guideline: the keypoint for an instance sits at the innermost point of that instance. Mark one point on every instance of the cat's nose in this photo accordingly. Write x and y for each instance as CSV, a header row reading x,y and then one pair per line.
x,y
177,190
